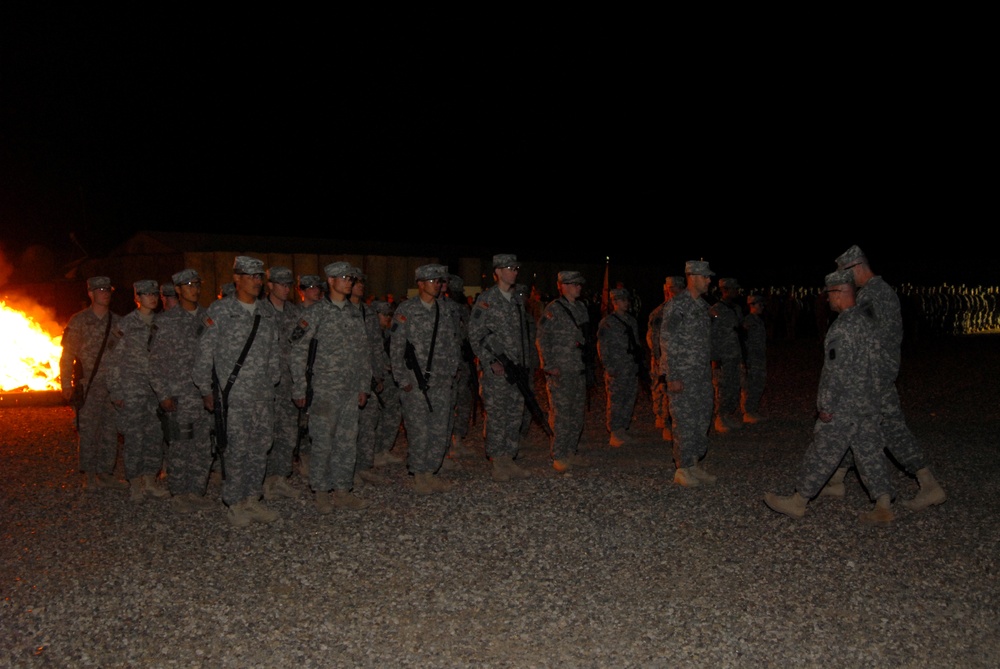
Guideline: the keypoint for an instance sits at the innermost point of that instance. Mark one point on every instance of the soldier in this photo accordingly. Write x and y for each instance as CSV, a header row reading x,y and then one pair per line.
x,y
243,390
847,403
498,334
621,354
534,362
756,359
131,392
727,355
562,337
90,335
341,383
171,365
464,385
311,290
168,294
685,361
286,415
371,414
880,300
425,353
391,418
672,285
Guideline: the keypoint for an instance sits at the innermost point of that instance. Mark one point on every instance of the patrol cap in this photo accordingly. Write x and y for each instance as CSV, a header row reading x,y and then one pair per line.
x,y
619,294
310,281
382,307
167,290
851,256
455,283
228,289
146,287
754,298
279,275
571,277
425,272
339,268
358,274
95,282
698,268
185,276
840,277
248,265
729,284
675,282
505,260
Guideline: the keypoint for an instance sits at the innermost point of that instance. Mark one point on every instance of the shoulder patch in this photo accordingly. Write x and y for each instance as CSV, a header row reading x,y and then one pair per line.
x,y
209,323
401,318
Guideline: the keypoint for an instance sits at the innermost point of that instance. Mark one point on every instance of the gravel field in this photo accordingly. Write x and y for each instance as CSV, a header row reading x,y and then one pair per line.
x,y
611,567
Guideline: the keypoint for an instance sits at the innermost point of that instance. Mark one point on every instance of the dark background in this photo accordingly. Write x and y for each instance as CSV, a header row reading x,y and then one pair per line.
x,y
767,166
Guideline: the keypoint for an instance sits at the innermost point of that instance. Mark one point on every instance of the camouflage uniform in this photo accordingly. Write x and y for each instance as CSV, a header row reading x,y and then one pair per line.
x,y
617,344
727,354
462,397
498,326
756,362
561,341
342,372
849,388
250,410
286,414
371,414
97,430
534,362
428,430
171,365
391,414
129,383
685,355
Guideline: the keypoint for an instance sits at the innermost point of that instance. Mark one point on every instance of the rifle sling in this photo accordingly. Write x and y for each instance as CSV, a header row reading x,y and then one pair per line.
x,y
97,363
240,361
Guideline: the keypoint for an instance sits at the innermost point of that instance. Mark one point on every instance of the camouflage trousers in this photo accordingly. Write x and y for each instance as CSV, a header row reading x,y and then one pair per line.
x,y
527,417
896,436
754,380
250,429
503,406
567,409
189,459
369,418
387,431
143,435
726,381
621,390
859,435
98,432
659,396
463,400
286,433
691,415
427,430
333,427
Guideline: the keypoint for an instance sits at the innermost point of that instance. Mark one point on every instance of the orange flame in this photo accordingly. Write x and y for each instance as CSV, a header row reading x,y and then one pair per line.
x,y
29,356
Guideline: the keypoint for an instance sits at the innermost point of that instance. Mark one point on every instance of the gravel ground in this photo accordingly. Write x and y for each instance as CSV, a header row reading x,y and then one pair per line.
x,y
612,567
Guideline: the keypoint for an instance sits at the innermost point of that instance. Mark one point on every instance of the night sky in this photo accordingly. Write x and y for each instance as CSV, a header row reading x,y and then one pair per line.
x,y
580,155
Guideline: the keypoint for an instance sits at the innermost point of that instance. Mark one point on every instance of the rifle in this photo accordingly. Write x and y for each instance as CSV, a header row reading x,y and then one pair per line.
x,y
78,396
410,357
219,413
516,374
374,386
304,411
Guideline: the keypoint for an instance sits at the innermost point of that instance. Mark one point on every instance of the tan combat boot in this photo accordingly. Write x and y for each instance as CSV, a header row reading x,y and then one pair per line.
x,y
563,465
931,493
137,489
238,514
835,486
373,477
154,488
685,477
182,504
345,499
577,460
793,506
277,487
385,458
702,475
323,502
881,514
259,512
304,465
720,425
617,440
439,484
109,481
421,483
501,469
667,434
516,471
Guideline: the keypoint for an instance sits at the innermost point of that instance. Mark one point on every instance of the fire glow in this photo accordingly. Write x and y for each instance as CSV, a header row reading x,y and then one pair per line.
x,y
29,356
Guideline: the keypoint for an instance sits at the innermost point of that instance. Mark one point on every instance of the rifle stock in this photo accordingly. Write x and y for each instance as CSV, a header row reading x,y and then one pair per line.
x,y
518,375
219,414
304,411
410,357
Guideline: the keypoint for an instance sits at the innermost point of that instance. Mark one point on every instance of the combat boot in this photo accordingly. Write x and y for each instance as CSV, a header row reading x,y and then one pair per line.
x,y
439,484
276,487
793,506
421,483
345,499
931,493
668,434
258,512
304,465
685,477
323,502
720,425
617,440
448,464
563,465
109,481
137,489
501,472
154,488
182,504
372,477
660,423
835,486
578,460
751,418
516,471
238,515
385,458
702,475
881,514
